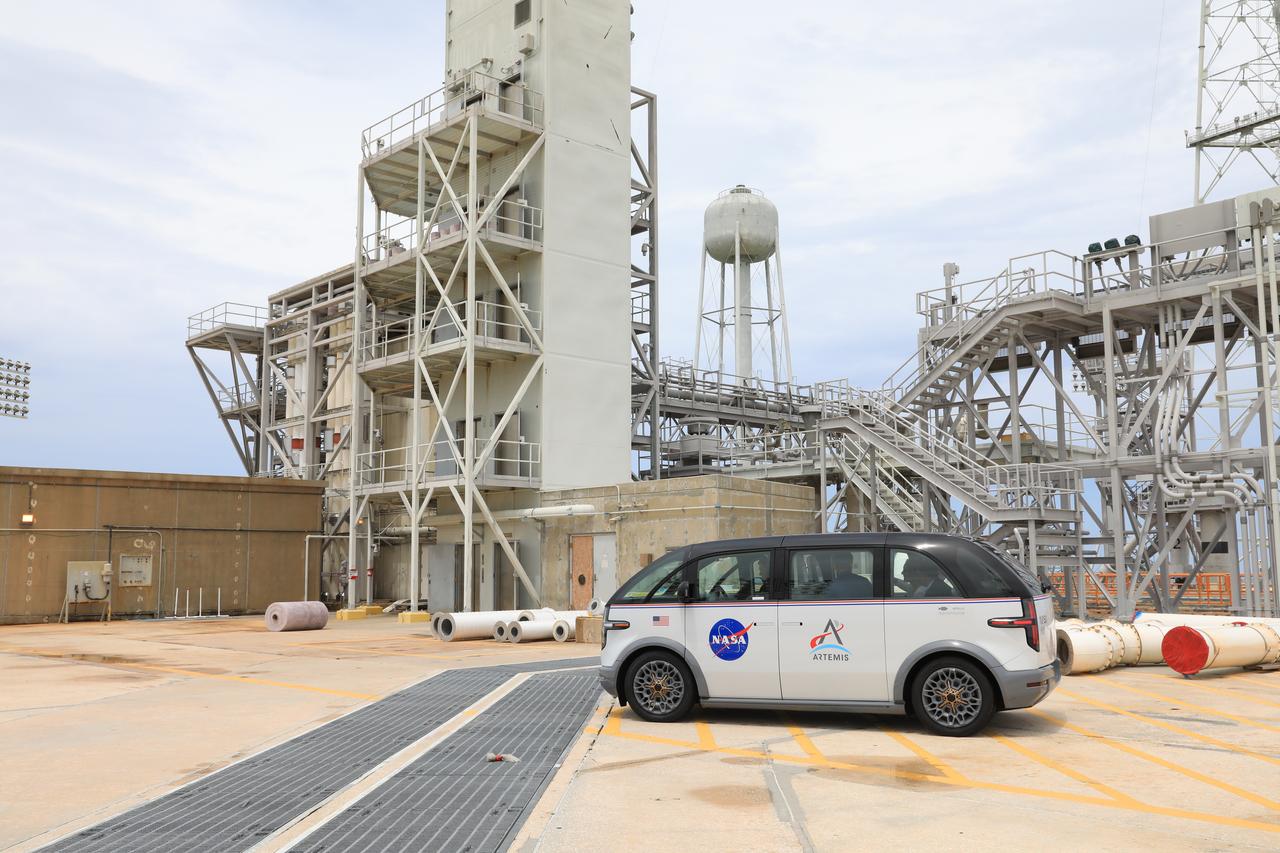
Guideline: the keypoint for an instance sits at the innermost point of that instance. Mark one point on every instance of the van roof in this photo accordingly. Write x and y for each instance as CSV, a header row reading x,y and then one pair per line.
x,y
820,539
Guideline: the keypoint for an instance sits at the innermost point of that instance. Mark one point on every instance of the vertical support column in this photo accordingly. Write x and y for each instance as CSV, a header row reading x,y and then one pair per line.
x,y
354,443
469,356
1115,514
415,424
741,310
1015,416
822,481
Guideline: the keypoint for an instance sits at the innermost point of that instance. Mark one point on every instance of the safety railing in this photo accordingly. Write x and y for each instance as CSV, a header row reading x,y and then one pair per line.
x,y
963,467
239,396
1211,591
681,380
495,322
227,314
444,460
513,218
472,89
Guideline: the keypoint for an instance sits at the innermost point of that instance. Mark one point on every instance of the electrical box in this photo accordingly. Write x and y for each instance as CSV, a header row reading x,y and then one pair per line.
x,y
135,570
87,580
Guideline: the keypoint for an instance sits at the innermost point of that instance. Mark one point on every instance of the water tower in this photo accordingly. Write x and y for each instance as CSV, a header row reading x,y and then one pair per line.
x,y
740,233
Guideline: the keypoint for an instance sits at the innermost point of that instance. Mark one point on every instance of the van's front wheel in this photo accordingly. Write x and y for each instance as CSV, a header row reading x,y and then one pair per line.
x,y
952,696
660,687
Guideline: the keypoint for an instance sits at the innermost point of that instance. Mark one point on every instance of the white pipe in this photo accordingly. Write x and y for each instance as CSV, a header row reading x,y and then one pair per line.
x,y
563,630
471,626
1103,645
524,632
1189,650
542,614
1203,620
501,633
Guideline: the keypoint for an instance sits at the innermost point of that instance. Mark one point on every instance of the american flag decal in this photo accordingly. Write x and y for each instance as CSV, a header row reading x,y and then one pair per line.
x,y
662,621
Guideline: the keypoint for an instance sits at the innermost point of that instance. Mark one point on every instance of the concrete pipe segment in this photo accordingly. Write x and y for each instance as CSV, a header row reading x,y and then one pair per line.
x,y
472,626
542,614
563,630
1189,650
297,616
501,631
596,607
527,632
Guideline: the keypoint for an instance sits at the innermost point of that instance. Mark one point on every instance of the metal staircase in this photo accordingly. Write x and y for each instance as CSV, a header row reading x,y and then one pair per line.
x,y
997,493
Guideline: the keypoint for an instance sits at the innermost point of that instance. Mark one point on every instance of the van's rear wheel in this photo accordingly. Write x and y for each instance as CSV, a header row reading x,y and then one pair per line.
x,y
660,687
953,696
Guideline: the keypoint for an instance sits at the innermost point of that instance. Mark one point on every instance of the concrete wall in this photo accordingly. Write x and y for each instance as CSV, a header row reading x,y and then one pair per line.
x,y
242,535
650,518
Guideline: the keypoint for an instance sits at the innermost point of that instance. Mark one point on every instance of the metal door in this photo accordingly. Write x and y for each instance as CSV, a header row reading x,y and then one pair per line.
x,y
604,561
581,571
831,643
731,626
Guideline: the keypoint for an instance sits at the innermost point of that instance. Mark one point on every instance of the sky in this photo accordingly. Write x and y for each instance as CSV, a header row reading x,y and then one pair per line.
x,y
159,158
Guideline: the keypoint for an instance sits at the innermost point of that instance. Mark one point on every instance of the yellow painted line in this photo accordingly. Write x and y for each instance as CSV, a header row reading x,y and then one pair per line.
x,y
1234,694
1065,770
244,679
936,762
1185,732
1258,681
613,727
802,740
706,740
1213,712
1168,765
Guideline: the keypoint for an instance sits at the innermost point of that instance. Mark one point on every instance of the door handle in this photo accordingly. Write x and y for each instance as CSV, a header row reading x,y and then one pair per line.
x,y
792,624
762,624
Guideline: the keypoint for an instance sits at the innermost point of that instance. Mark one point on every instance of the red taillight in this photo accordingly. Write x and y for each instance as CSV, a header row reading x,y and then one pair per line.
x,y
1028,622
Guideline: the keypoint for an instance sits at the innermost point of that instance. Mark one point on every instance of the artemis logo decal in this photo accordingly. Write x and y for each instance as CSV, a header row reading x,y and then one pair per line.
x,y
728,639
829,645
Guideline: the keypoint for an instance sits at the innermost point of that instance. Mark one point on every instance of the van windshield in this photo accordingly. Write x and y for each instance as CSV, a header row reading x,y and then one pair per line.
x,y
658,581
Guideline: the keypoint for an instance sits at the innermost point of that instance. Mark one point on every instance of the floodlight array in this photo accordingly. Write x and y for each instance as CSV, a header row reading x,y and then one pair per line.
x,y
15,382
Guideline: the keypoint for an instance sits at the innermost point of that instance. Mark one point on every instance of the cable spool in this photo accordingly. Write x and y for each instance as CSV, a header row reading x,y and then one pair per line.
x,y
562,631
297,616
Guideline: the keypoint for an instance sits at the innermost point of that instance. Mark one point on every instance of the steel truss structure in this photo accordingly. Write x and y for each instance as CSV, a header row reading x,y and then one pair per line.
x,y
1237,91
646,417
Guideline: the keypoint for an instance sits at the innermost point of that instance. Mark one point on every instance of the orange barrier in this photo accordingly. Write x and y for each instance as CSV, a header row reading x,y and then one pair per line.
x,y
1208,590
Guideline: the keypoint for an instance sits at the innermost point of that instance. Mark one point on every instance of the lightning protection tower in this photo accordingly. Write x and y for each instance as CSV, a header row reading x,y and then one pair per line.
x,y
740,233
1238,91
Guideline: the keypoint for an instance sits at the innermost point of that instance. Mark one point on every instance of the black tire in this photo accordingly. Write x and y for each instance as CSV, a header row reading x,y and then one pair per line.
x,y
953,696
660,687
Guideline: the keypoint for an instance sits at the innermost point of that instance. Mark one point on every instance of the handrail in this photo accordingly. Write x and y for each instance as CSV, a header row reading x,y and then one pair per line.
x,y
494,321
442,459
227,314
513,218
511,99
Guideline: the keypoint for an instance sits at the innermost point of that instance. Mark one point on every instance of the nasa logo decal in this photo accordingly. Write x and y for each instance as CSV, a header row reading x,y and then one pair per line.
x,y
728,639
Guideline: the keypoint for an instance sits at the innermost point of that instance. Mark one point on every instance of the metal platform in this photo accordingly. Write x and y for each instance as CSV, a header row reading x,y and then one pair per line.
x,y
237,807
453,798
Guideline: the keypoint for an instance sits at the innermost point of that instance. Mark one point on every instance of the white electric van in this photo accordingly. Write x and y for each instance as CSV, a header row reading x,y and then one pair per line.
x,y
943,627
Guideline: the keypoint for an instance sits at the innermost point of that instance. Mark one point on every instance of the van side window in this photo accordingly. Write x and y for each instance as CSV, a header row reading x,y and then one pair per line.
x,y
832,574
659,581
733,577
916,575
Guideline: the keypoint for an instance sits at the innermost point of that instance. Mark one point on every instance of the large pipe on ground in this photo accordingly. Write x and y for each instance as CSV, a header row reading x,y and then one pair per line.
x,y
1203,620
1189,650
297,616
1103,645
524,632
564,630
471,626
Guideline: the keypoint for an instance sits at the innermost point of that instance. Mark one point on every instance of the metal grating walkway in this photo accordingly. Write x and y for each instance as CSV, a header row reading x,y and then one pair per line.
x,y
235,808
452,798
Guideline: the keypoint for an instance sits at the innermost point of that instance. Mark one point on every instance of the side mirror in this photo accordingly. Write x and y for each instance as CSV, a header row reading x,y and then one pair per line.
x,y
1045,585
